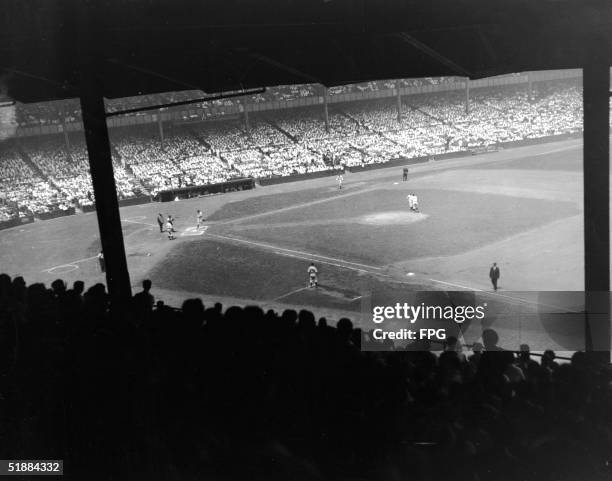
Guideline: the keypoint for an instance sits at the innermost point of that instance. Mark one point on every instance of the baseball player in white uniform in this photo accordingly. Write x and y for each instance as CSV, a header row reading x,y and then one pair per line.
x,y
312,276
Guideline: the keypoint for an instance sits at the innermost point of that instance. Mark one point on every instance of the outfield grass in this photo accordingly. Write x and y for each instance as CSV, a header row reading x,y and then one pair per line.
x,y
456,222
265,203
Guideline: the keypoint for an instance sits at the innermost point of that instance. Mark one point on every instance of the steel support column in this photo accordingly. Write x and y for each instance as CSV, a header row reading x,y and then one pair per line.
x,y
102,178
160,127
399,101
596,82
325,109
529,87
247,123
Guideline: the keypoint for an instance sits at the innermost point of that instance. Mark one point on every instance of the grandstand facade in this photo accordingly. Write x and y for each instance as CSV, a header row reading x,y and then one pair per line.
x,y
287,132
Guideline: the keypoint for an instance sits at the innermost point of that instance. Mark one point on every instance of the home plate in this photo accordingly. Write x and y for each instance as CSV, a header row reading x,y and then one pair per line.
x,y
192,231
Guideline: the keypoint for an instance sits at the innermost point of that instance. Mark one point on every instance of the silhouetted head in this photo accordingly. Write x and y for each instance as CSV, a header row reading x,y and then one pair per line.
x,y
5,280
58,286
146,285
490,339
525,351
580,360
306,320
96,301
5,286
451,343
289,316
193,311
19,287
254,313
345,327
78,287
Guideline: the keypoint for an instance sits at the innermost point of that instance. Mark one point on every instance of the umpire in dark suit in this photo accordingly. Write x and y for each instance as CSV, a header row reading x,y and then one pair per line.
x,y
494,275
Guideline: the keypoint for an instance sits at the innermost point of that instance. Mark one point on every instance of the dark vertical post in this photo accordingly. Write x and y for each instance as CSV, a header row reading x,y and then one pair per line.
x,y
160,126
399,102
247,124
529,87
107,206
596,82
467,95
66,138
325,110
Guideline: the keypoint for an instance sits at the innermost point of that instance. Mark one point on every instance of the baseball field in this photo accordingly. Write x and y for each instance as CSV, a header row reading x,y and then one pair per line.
x,y
521,208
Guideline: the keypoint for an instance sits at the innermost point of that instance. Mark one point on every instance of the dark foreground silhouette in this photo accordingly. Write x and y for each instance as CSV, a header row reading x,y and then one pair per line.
x,y
201,393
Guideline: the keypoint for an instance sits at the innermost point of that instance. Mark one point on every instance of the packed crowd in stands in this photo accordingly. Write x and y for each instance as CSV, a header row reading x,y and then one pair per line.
x,y
66,168
51,172
292,159
226,137
50,155
68,176
127,186
263,134
22,189
143,154
206,392
12,170
195,160
204,168
52,113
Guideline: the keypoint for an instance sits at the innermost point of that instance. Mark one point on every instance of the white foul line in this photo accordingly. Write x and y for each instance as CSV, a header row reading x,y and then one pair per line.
x,y
136,222
240,220
289,293
558,149
309,258
497,294
69,264
288,252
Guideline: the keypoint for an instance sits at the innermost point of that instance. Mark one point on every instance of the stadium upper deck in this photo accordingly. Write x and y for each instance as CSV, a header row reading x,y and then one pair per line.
x,y
41,174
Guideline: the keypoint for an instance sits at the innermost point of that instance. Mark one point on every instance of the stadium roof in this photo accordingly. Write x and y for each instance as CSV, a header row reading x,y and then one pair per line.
x,y
148,46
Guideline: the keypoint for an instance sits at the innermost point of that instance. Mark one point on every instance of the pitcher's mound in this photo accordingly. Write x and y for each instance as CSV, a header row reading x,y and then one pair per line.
x,y
395,217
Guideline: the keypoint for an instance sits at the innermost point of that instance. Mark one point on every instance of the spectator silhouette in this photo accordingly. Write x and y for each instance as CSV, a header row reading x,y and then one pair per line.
x,y
143,302
253,394
548,360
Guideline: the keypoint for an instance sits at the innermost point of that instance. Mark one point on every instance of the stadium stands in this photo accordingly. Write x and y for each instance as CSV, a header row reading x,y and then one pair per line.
x,y
24,188
159,393
52,113
50,173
